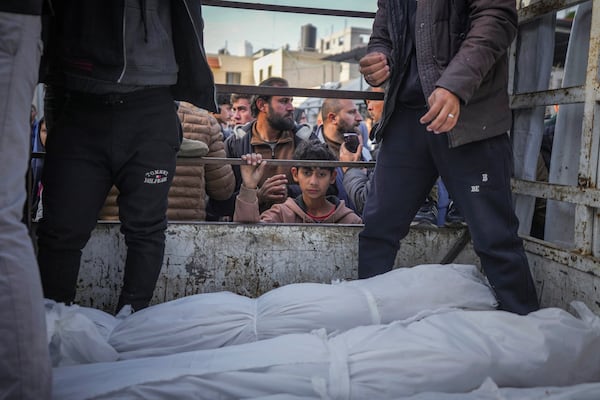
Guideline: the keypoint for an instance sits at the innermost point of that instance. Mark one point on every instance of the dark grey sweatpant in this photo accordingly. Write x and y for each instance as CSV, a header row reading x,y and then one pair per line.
x,y
477,176
130,141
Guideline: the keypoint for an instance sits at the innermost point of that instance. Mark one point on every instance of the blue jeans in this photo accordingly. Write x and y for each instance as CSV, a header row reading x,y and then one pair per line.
x,y
25,371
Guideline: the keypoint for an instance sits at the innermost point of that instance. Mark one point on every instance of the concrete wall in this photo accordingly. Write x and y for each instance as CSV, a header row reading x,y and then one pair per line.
x,y
247,259
301,69
229,63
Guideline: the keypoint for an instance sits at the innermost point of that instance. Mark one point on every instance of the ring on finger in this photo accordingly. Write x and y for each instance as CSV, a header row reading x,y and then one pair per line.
x,y
450,115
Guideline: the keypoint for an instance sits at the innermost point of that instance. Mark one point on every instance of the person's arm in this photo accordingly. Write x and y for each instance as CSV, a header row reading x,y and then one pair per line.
x,y
246,202
357,183
380,40
492,28
377,63
246,206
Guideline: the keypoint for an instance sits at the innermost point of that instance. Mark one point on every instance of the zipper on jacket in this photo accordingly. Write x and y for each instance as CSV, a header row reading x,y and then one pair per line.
x,y
124,48
51,7
272,146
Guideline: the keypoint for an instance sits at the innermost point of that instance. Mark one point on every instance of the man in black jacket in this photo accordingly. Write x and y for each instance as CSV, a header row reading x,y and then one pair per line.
x,y
25,371
446,114
113,75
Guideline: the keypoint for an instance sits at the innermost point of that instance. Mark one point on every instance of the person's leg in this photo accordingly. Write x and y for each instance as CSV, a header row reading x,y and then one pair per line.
x,y
404,175
25,371
149,130
477,176
76,179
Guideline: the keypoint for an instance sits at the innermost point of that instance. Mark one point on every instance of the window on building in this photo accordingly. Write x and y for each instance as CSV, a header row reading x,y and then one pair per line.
x,y
234,78
261,75
270,71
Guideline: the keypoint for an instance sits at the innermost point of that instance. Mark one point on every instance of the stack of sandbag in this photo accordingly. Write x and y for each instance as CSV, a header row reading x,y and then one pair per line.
x,y
213,320
450,352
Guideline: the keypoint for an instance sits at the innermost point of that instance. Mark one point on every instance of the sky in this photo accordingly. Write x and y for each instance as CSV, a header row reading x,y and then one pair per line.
x,y
228,27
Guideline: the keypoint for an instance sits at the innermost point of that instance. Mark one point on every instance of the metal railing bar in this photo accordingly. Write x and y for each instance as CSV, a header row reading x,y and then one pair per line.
x,y
570,194
574,94
276,162
288,9
567,257
279,162
300,92
542,7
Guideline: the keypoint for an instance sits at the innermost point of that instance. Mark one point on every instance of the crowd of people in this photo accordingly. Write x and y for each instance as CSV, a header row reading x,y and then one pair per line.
x,y
124,114
200,192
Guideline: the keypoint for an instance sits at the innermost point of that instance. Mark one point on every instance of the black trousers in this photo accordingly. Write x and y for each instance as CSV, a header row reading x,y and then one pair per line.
x,y
128,140
477,176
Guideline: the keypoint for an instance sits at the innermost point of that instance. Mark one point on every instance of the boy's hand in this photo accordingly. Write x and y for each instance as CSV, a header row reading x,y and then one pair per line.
x,y
252,172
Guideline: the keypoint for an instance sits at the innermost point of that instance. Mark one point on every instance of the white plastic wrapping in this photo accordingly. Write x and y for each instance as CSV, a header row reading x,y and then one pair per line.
x,y
78,335
451,352
490,391
208,321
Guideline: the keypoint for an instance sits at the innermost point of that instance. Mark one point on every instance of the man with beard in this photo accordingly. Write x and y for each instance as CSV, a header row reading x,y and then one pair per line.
x,y
274,135
341,116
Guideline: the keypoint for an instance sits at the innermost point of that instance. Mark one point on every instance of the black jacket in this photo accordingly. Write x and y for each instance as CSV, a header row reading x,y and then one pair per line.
x,y
30,7
461,45
195,82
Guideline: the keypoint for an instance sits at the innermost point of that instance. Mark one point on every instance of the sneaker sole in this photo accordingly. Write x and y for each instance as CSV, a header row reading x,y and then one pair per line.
x,y
455,224
423,224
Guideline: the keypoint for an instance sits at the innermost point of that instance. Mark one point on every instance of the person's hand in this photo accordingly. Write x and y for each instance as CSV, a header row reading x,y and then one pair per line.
x,y
253,170
444,110
346,155
374,66
273,190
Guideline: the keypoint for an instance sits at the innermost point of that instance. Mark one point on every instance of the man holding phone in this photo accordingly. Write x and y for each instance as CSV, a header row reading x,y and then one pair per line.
x,y
340,130
351,141
341,122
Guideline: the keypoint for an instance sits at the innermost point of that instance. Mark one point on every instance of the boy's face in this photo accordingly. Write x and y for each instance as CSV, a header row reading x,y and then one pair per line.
x,y
313,182
241,111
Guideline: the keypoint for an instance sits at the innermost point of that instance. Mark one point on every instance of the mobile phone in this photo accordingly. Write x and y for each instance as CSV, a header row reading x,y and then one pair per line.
x,y
351,141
